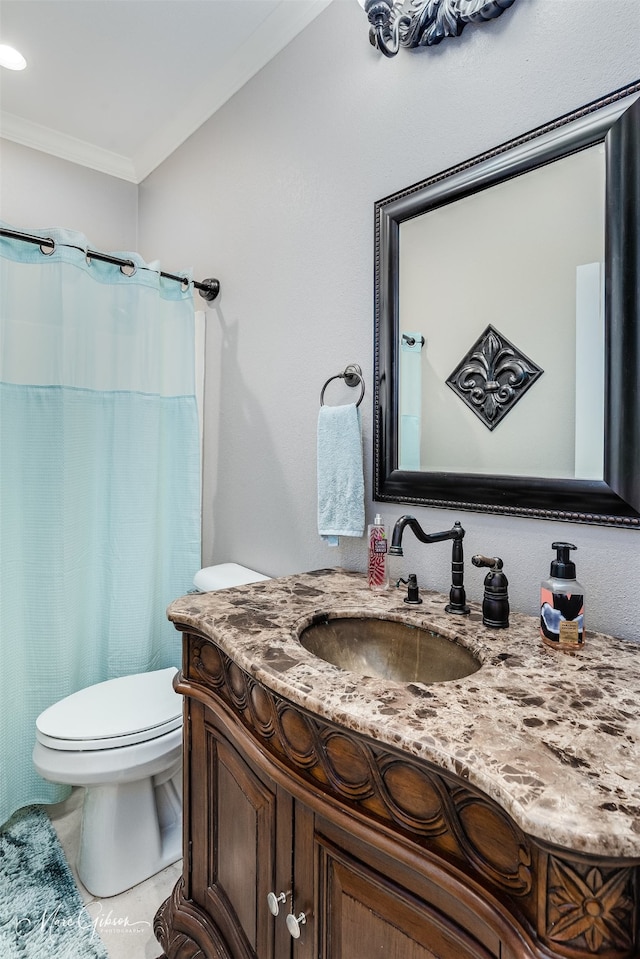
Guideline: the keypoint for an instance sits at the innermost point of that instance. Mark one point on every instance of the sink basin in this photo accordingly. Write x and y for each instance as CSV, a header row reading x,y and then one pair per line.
x,y
388,649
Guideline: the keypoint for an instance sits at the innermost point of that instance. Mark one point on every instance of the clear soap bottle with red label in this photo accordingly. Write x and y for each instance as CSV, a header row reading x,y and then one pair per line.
x,y
562,604
377,540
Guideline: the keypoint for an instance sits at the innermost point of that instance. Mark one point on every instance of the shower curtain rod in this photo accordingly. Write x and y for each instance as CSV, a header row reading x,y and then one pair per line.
x,y
208,288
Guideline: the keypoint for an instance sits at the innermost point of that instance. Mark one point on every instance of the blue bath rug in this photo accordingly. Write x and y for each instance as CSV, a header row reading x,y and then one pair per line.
x,y
41,913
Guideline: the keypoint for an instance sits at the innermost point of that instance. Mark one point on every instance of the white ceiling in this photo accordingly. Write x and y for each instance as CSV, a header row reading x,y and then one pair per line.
x,y
117,85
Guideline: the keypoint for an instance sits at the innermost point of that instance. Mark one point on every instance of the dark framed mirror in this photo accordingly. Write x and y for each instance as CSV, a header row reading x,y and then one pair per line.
x,y
453,299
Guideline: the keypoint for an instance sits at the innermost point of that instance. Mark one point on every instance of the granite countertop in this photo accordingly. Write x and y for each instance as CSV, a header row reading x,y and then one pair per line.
x,y
553,738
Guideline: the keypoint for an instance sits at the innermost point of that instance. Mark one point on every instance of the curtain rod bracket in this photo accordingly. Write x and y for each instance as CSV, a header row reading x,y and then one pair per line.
x,y
208,289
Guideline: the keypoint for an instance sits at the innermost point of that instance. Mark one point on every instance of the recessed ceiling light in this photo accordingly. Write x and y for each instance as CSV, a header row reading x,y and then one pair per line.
x,y
10,58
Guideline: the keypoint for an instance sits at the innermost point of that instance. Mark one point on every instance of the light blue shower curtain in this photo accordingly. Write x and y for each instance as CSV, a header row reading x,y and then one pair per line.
x,y
99,483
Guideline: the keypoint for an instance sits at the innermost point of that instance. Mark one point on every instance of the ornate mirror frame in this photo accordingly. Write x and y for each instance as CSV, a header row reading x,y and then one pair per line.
x,y
614,501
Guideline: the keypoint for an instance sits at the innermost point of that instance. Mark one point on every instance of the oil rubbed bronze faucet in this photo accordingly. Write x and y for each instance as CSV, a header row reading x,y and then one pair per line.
x,y
457,596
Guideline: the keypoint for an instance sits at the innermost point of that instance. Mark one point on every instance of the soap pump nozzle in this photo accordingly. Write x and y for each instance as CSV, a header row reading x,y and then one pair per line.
x,y
562,567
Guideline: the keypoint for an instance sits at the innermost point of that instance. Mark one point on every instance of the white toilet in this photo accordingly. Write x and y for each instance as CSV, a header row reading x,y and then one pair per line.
x,y
122,741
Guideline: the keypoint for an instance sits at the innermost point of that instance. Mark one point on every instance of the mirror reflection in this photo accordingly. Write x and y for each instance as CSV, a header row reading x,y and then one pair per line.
x,y
544,233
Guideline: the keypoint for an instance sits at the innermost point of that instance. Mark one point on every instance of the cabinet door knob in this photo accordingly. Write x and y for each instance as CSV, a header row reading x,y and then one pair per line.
x,y
274,901
294,923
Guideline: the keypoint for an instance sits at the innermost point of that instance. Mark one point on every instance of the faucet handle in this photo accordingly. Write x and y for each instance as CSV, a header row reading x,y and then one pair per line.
x,y
495,605
493,562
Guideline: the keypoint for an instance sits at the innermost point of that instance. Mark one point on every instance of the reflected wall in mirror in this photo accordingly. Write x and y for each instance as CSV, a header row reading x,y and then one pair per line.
x,y
537,239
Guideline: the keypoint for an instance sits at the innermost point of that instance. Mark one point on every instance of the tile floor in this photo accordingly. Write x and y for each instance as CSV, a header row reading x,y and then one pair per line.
x,y
124,922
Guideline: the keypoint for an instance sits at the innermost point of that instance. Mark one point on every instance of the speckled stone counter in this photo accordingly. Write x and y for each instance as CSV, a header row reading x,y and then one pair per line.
x,y
554,739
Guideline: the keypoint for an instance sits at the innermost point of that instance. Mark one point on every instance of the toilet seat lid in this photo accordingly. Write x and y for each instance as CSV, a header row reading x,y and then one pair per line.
x,y
225,575
118,712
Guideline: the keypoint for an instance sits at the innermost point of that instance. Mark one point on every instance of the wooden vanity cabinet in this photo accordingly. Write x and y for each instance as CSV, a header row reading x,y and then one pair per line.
x,y
384,855
251,837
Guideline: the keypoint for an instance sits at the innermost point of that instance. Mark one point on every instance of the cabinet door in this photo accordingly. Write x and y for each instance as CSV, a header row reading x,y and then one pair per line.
x,y
365,915
233,813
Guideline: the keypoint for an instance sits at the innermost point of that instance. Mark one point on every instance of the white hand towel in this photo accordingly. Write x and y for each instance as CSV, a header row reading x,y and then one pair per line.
x,y
340,474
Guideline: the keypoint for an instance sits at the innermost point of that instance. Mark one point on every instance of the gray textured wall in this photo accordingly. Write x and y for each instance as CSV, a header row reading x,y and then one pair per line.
x,y
38,191
275,196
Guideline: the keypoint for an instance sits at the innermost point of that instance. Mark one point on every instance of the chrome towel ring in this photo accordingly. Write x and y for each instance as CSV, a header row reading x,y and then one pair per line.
x,y
352,375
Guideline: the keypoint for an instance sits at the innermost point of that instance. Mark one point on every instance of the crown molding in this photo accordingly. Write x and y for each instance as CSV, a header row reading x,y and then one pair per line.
x,y
272,35
65,147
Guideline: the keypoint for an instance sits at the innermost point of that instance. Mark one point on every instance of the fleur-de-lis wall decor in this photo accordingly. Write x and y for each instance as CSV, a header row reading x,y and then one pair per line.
x,y
493,376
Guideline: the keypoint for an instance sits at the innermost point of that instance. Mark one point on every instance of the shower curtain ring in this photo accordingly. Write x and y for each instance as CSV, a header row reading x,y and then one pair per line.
x,y
48,241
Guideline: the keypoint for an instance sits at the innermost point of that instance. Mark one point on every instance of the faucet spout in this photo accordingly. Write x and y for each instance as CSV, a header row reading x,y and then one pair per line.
x,y
455,533
457,596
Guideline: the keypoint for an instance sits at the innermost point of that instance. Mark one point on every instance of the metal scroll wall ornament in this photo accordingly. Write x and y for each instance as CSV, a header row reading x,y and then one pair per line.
x,y
493,376
423,23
